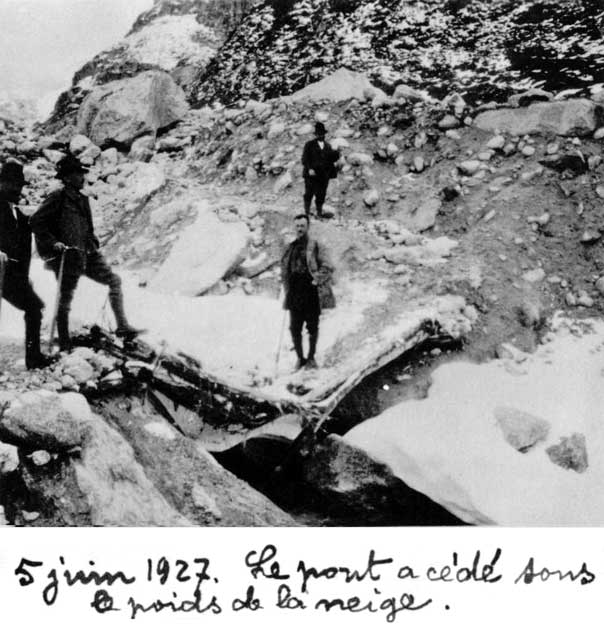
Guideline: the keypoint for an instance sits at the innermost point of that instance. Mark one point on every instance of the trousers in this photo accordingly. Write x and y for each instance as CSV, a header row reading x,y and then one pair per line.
x,y
93,266
297,319
315,187
18,291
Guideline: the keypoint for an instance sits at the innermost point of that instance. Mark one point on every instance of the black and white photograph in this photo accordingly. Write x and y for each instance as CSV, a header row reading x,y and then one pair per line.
x,y
302,264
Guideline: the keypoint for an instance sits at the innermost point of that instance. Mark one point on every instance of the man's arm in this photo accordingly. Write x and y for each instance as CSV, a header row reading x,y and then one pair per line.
x,y
326,267
43,220
306,159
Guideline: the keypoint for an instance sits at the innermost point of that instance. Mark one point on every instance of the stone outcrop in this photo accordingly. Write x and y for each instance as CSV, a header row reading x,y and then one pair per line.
x,y
127,467
206,251
521,430
568,118
121,111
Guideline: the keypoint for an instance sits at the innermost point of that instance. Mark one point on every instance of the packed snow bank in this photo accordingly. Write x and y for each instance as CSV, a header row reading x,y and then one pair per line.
x,y
458,446
340,86
236,336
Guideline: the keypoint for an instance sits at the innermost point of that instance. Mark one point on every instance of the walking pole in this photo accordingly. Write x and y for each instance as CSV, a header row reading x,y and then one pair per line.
x,y
53,323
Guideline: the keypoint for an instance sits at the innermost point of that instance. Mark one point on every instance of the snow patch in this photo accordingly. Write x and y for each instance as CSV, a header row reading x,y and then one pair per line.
x,y
172,40
450,447
161,430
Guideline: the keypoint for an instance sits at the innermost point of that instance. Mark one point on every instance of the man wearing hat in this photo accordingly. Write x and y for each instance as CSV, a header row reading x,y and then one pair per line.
x,y
306,275
15,258
64,232
318,159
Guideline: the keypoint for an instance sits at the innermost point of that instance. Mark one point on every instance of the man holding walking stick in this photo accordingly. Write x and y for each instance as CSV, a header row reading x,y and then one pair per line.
x,y
306,273
66,240
15,258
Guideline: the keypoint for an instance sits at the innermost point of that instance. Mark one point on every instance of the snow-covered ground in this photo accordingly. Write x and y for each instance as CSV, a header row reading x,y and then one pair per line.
x,y
236,336
451,447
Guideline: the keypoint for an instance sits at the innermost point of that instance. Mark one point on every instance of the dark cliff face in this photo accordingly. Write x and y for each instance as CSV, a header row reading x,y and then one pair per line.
x,y
484,49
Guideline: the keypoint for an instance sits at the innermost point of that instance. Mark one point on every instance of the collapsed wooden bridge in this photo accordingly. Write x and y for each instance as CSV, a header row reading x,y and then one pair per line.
x,y
183,380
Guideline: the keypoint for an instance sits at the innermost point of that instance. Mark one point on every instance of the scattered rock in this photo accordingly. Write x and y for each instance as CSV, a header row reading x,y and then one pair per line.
x,y
534,276
568,118
45,420
521,430
469,167
570,453
448,122
142,149
41,457
9,458
424,216
405,92
496,143
284,181
360,159
371,198
584,299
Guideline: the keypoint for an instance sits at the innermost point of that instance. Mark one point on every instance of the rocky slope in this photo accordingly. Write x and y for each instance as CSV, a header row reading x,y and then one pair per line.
x,y
179,37
493,209
485,50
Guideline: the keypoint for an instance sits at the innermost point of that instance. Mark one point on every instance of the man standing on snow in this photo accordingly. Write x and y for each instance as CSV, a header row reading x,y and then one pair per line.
x,y
64,232
15,258
306,273
318,159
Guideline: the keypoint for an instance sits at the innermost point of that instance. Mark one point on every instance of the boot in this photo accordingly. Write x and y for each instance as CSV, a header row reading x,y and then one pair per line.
x,y
33,354
312,348
124,329
63,331
297,339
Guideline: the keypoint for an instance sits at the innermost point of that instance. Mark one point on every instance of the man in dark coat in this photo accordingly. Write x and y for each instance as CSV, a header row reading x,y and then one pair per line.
x,y
64,231
306,274
318,159
15,258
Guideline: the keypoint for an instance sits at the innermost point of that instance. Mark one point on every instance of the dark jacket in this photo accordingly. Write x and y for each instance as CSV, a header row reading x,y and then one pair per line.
x,y
322,161
320,268
64,216
15,239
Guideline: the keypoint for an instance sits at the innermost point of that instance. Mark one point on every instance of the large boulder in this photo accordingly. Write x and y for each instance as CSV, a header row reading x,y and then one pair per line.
x,y
423,217
120,111
44,420
569,118
351,481
206,251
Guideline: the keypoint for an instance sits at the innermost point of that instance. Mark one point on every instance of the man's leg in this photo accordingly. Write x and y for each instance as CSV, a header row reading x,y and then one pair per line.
x,y
19,292
71,276
320,194
296,321
312,325
309,192
98,270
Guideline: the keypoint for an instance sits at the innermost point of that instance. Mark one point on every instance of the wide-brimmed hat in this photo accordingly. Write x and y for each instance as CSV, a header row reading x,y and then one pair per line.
x,y
69,165
320,128
11,171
